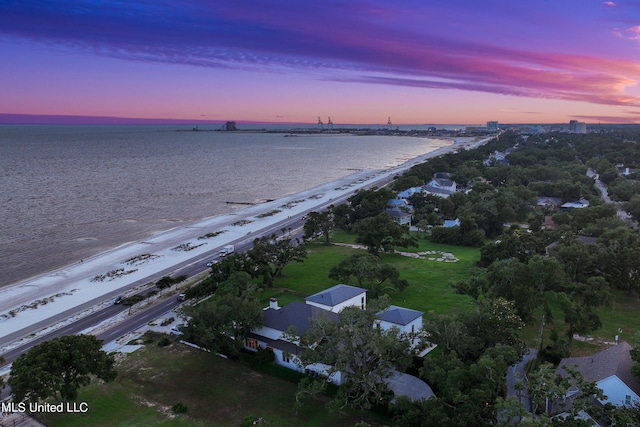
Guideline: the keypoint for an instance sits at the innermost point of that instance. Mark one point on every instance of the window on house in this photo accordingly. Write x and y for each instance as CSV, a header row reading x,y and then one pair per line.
x,y
286,357
362,303
252,343
627,400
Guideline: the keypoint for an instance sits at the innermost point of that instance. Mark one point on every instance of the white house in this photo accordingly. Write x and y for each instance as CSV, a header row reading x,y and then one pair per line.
x,y
576,204
408,321
336,298
441,185
610,369
282,326
296,318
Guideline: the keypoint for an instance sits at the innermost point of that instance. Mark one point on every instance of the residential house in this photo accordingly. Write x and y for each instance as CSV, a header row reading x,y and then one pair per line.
x,y
400,216
408,321
610,369
549,202
282,326
441,185
336,298
576,204
497,158
277,321
587,240
409,192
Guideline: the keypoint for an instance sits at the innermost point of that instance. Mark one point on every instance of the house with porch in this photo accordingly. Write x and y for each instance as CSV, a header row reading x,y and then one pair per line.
x,y
283,326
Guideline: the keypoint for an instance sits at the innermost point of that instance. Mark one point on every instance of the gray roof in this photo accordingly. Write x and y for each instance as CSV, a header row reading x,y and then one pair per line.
x,y
437,190
399,315
296,314
283,345
335,295
615,360
397,213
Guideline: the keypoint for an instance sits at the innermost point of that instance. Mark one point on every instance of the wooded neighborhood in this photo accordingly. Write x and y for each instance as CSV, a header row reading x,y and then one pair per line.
x,y
455,274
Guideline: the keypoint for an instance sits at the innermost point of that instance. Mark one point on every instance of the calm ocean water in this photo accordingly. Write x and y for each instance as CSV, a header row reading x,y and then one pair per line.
x,y
68,191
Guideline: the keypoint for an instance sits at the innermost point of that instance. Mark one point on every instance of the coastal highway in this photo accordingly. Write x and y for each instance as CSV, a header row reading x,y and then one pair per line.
x,y
191,268
294,223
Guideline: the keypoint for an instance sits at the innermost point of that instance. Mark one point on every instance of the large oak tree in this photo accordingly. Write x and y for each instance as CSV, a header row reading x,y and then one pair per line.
x,y
58,368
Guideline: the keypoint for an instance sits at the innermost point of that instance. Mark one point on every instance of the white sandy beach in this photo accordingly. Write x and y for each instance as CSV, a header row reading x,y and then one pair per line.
x,y
74,288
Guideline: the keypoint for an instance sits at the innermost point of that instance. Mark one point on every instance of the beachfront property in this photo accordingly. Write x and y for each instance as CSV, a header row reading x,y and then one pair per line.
x,y
278,322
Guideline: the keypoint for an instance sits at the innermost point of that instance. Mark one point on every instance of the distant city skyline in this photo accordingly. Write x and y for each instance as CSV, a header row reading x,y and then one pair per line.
x,y
359,62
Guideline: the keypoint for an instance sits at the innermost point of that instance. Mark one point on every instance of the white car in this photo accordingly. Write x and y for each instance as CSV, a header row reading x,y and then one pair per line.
x,y
175,331
212,263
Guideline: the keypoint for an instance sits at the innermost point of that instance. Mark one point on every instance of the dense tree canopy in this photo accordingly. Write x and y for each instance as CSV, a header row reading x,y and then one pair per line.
x,y
58,368
364,354
222,324
369,273
272,254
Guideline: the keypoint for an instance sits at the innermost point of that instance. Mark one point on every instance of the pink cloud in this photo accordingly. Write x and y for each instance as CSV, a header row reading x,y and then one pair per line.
x,y
609,4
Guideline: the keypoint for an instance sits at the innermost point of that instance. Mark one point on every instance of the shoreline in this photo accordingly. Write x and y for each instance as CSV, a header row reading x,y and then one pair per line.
x,y
27,302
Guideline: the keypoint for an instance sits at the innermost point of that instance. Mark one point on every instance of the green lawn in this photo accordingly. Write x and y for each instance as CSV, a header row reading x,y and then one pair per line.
x,y
216,392
429,280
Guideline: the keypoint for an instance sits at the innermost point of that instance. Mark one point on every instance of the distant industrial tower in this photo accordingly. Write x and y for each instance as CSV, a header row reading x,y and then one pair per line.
x,y
320,124
330,123
389,123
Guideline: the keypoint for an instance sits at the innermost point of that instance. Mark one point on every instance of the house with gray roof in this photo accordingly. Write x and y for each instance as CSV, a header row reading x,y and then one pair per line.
x,y
336,298
610,369
282,326
441,185
408,321
400,216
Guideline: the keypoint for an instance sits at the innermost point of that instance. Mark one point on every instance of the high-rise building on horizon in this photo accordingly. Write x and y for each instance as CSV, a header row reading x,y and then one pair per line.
x,y
577,127
492,126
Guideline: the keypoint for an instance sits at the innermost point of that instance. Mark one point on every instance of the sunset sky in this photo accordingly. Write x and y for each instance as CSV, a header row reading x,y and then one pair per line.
x,y
416,61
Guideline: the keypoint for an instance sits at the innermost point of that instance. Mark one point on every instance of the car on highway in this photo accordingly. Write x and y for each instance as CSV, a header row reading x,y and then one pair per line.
x,y
182,297
212,263
119,299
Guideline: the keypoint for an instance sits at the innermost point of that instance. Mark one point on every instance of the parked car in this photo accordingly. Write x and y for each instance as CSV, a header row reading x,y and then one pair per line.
x,y
175,331
182,297
119,299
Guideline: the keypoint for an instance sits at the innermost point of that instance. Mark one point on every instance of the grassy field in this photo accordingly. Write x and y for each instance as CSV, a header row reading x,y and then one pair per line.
x,y
216,391
430,280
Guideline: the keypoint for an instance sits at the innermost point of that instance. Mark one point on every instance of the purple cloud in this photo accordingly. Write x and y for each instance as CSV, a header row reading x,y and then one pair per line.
x,y
408,44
